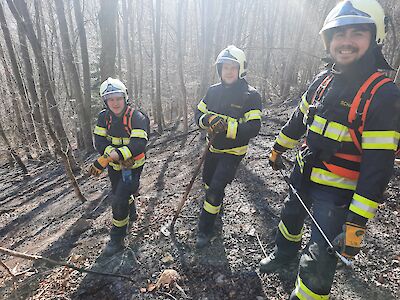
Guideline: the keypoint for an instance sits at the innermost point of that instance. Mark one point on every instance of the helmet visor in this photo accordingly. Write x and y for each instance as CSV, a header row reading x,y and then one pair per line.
x,y
113,95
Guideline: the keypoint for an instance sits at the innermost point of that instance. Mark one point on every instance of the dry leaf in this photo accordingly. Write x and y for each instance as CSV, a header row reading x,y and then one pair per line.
x,y
167,278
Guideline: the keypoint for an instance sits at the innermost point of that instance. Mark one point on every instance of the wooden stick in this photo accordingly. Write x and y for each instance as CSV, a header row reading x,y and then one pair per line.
x,y
261,245
7,269
189,186
59,263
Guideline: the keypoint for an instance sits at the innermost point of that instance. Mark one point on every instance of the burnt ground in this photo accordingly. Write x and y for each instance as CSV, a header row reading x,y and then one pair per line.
x,y
41,215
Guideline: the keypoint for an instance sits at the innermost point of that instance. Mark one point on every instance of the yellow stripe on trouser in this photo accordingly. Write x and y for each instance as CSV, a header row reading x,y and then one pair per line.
x,y
120,223
380,140
304,293
211,208
324,177
286,141
363,206
235,151
289,236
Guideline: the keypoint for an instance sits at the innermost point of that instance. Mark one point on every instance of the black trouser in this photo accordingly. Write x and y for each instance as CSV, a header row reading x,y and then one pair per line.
x,y
218,171
123,206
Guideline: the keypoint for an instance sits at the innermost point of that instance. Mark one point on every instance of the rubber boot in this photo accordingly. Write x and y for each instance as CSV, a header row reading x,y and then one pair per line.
x,y
115,245
275,261
202,240
132,210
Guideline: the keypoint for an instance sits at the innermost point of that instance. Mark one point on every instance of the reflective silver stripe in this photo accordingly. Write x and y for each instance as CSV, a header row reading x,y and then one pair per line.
x,y
254,114
101,131
363,206
286,141
126,153
335,131
304,104
232,130
139,133
380,140
202,107
108,149
318,125
324,177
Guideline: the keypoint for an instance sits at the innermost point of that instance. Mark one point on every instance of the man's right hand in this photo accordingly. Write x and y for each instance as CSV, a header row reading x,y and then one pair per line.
x,y
216,124
100,164
275,160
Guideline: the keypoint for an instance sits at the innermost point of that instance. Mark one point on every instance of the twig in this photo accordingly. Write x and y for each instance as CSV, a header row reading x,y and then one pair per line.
x,y
261,245
7,269
59,263
167,294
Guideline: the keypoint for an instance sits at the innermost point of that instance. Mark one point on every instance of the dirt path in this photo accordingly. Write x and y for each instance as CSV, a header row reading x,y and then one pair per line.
x,y
41,215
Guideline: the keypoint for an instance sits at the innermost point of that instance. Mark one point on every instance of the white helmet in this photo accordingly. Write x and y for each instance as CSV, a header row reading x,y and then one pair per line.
x,y
232,53
352,12
113,87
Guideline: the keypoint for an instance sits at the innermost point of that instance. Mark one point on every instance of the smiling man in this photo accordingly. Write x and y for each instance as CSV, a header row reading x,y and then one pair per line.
x,y
350,116
231,113
120,137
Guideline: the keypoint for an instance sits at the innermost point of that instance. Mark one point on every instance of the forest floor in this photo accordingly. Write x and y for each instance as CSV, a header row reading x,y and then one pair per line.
x,y
40,214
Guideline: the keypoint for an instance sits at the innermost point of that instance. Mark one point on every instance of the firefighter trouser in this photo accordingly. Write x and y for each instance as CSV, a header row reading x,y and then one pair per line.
x,y
329,208
123,205
218,171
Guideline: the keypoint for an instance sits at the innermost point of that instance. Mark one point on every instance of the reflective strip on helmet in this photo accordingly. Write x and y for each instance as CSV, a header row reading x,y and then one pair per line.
x,y
380,140
120,223
113,94
108,149
286,141
232,130
254,114
235,151
118,140
101,131
304,105
363,206
318,125
304,293
211,208
289,236
201,124
202,107
126,153
139,133
324,177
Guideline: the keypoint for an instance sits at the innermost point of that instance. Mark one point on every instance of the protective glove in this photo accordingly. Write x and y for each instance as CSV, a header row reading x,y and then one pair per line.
x,y
216,124
348,243
275,160
99,165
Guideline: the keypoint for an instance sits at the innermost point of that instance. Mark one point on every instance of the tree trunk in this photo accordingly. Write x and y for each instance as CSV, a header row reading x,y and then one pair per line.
x,y
108,22
180,60
131,27
125,22
84,117
157,56
140,41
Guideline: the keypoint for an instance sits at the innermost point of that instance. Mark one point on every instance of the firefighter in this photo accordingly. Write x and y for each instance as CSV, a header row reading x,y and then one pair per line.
x,y
231,113
350,117
120,137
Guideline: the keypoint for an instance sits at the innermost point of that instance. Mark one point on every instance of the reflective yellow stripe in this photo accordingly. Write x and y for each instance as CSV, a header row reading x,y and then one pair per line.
x,y
211,208
304,104
235,151
324,177
206,186
232,130
254,114
304,293
108,149
318,125
118,140
289,236
286,141
101,131
201,124
300,161
139,133
131,199
335,131
126,153
202,107
380,140
120,223
363,206
138,163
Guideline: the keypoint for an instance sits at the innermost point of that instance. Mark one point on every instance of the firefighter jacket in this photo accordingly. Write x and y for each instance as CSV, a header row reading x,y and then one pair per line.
x,y
126,134
329,153
240,106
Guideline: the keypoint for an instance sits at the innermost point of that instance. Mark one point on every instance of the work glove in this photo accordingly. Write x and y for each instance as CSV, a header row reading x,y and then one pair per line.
x,y
99,165
216,124
348,243
275,160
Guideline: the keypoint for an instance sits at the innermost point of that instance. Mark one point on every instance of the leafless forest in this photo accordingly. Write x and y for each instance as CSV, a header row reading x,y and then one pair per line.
x,y
55,54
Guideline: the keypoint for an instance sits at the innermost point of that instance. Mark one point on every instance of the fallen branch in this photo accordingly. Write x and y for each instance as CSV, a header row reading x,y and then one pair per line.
x,y
7,269
261,245
59,263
